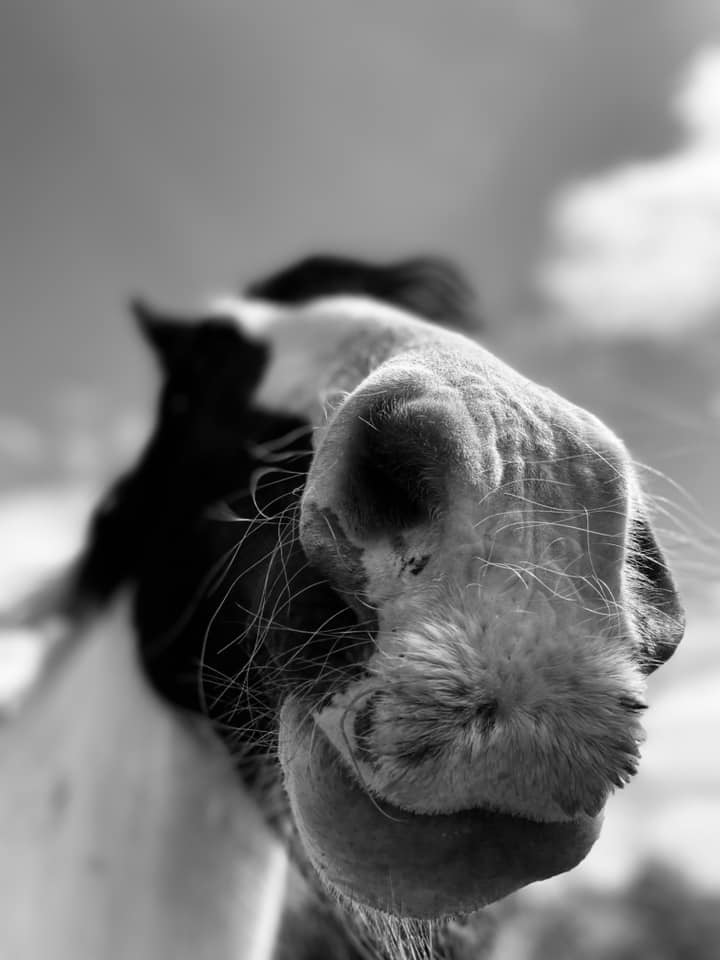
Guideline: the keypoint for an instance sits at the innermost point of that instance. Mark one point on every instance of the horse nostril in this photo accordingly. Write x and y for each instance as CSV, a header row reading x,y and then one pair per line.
x,y
485,715
363,728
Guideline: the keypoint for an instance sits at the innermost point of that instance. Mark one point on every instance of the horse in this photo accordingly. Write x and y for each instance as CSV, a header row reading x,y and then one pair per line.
x,y
416,595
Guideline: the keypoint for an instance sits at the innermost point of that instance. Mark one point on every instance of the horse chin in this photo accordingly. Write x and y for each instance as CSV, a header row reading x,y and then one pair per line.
x,y
412,865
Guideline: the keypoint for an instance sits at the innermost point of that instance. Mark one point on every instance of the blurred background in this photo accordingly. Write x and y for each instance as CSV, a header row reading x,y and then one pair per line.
x,y
566,153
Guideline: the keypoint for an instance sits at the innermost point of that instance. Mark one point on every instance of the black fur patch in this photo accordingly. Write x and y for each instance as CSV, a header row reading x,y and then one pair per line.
x,y
363,729
228,610
655,605
431,287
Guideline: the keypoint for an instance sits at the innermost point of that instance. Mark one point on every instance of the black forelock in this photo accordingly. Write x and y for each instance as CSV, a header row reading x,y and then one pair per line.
x,y
430,286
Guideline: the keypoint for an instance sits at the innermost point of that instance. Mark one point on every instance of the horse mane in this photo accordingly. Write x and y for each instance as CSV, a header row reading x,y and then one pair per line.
x,y
429,286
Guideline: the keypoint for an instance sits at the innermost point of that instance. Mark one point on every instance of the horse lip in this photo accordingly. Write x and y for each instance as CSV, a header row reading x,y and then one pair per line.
x,y
415,865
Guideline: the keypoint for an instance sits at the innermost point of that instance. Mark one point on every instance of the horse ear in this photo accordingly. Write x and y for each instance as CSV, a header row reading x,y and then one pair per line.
x,y
656,610
169,337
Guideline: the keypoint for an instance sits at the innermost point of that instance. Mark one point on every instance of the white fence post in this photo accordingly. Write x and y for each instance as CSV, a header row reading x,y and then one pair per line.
x,y
124,833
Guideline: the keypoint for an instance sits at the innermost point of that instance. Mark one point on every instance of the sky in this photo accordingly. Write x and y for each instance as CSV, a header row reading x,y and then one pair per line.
x,y
613,236
567,154
174,147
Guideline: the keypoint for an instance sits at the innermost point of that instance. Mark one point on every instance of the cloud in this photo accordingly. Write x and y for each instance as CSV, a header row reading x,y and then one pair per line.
x,y
40,530
19,440
81,439
21,656
52,478
636,250
91,439
43,517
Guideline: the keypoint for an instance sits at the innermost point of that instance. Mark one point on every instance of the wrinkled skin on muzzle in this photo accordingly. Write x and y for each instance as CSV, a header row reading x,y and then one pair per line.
x,y
364,546
498,536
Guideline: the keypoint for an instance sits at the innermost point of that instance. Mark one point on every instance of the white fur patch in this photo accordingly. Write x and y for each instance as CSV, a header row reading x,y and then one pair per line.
x,y
253,317
256,317
322,349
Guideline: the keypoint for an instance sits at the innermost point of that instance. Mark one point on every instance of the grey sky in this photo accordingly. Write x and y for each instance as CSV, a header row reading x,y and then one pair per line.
x,y
172,147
